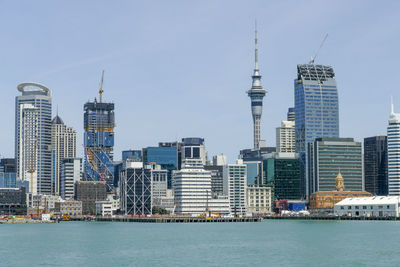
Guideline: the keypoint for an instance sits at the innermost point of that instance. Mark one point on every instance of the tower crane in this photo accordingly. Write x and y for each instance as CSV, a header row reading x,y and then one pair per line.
x,y
316,54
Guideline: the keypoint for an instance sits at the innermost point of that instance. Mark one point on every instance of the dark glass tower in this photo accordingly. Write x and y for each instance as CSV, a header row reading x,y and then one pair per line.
x,y
316,111
375,165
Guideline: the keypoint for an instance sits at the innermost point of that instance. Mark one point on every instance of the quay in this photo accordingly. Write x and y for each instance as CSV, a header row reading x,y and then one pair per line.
x,y
332,218
170,219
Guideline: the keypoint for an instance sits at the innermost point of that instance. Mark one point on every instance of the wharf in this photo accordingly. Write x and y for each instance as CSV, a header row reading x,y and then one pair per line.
x,y
177,219
332,218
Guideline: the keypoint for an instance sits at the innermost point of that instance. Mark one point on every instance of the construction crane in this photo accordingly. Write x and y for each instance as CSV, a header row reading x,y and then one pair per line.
x,y
316,54
101,87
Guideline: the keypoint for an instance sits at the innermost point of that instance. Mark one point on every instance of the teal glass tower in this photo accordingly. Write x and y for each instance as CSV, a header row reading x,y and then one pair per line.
x,y
316,112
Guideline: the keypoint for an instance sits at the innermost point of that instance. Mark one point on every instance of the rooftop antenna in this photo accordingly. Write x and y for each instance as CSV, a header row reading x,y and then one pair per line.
x,y
391,105
101,87
316,54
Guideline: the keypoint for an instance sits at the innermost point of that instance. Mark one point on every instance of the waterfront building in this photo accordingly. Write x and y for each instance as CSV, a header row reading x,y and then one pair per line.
x,y
167,202
282,173
375,165
217,179
33,137
99,123
192,190
259,199
327,156
285,137
291,114
8,176
316,111
136,189
235,186
193,148
159,184
69,207
325,200
165,156
63,145
89,192
71,172
393,147
43,204
13,201
256,94
377,206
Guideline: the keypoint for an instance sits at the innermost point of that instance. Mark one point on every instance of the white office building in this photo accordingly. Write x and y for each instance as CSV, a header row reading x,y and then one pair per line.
x,y
378,206
285,137
235,186
192,190
219,160
63,145
71,172
393,148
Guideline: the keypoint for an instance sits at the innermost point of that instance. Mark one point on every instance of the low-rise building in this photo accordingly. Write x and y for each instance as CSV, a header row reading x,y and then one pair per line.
x,y
12,201
43,203
325,200
69,207
378,206
89,192
107,207
259,199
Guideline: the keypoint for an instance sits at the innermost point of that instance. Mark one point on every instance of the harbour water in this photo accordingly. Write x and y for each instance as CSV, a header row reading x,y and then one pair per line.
x,y
268,243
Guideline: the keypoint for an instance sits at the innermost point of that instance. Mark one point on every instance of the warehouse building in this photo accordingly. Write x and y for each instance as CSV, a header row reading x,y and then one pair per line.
x,y
379,206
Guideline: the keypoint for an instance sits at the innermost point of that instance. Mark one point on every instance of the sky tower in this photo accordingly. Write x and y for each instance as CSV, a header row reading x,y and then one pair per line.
x,y
256,94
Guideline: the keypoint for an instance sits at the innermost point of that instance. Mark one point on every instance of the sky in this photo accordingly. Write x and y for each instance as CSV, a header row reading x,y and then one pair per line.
x,y
179,69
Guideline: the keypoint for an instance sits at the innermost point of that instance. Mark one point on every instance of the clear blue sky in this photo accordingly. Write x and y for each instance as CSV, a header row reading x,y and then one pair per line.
x,y
181,68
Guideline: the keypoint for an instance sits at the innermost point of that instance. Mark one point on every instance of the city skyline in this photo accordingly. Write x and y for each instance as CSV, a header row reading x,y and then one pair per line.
x,y
220,62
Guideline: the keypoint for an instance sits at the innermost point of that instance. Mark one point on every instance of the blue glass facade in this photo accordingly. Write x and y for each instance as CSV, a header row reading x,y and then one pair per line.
x,y
316,111
167,157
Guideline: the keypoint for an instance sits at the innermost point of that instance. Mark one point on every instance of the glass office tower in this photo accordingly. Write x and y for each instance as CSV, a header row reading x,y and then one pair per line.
x,y
375,165
316,111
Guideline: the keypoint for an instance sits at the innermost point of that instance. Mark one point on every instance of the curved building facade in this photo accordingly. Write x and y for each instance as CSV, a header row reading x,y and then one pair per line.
x,y
393,147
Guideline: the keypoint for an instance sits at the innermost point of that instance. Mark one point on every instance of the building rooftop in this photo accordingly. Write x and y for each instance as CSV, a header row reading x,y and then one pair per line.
x,y
57,120
370,200
312,72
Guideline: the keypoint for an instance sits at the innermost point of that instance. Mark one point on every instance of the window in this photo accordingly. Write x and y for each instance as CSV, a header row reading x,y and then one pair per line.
x,y
388,207
356,207
342,208
364,207
349,207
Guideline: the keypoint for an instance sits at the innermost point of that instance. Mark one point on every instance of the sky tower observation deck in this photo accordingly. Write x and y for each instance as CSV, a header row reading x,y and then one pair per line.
x,y
256,94
99,123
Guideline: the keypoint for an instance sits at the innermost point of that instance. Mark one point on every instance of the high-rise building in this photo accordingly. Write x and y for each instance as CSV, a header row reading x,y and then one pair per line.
x,y
33,137
63,145
285,137
256,94
316,111
99,123
282,173
291,114
375,165
135,155
71,172
8,176
192,190
165,156
193,148
393,147
328,156
89,192
217,179
235,186
135,189
159,184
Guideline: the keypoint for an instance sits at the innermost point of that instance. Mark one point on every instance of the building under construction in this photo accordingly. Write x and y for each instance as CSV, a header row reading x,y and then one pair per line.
x,y
99,126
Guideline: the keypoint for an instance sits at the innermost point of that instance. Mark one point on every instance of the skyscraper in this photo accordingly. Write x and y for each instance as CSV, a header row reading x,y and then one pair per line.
x,y
316,111
33,137
285,137
99,126
235,186
63,145
256,94
375,165
290,114
393,146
